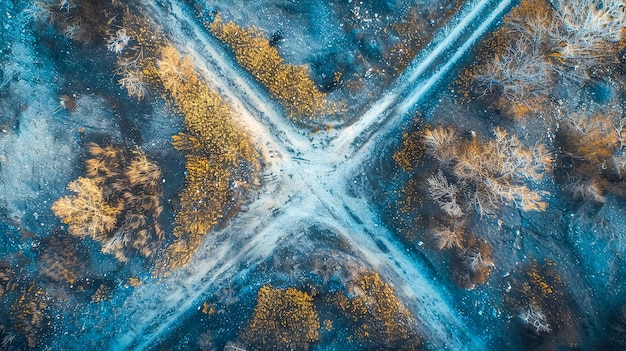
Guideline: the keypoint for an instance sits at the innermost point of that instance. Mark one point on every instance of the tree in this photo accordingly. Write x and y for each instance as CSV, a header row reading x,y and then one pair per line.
x,y
487,174
587,30
541,41
520,73
514,69
444,194
593,155
472,262
589,189
134,81
118,42
476,259
290,84
381,319
118,204
440,143
445,238
283,319
533,317
220,156
86,213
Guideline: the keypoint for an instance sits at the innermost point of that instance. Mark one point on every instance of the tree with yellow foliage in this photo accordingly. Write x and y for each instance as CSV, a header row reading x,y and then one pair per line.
x,y
283,320
118,204
216,149
86,213
381,319
290,84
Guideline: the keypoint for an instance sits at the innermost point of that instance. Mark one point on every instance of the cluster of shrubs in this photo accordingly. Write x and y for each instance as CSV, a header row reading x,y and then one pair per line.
x,y
290,319
542,43
288,83
117,204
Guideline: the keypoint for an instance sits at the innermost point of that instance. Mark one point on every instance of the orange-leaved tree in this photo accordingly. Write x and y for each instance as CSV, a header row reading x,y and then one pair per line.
x,y
487,174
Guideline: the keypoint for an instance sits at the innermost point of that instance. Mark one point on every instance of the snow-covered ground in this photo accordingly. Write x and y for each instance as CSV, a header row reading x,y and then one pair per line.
x,y
33,144
309,181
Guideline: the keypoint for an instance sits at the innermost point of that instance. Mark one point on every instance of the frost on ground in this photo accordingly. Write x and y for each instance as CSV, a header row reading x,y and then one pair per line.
x,y
36,152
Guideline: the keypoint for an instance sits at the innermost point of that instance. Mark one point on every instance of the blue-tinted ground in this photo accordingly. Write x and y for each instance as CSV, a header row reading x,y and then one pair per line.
x,y
572,253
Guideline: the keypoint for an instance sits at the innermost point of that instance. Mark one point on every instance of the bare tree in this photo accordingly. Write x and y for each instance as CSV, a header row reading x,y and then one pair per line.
x,y
520,72
440,143
445,238
586,189
476,261
539,42
444,194
487,174
134,82
534,317
118,42
588,29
